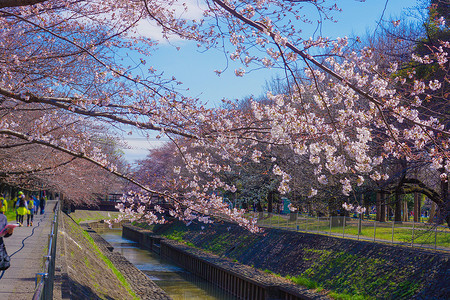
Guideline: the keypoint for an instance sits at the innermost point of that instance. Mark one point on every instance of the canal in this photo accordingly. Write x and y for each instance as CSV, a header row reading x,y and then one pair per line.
x,y
175,281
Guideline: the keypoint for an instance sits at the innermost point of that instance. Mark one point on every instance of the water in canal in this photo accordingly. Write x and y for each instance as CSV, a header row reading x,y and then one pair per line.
x,y
175,281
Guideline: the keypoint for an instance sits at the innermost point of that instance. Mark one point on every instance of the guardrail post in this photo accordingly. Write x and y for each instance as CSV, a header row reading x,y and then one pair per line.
x,y
393,225
359,226
46,258
331,217
40,276
435,238
374,229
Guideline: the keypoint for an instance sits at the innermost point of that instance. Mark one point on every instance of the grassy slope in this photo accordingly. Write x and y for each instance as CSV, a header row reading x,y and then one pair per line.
x,y
89,270
348,269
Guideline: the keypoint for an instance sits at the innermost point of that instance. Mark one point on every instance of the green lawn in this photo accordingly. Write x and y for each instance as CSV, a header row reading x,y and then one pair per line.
x,y
11,215
81,216
422,233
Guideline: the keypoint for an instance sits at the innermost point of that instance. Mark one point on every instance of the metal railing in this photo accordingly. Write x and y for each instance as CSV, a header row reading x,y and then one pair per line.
x,y
45,279
413,234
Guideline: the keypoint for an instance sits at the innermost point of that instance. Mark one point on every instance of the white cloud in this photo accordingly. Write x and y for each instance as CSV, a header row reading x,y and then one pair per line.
x,y
138,147
188,10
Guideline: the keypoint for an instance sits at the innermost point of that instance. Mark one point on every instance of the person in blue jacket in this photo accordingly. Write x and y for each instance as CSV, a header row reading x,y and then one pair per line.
x,y
36,204
42,204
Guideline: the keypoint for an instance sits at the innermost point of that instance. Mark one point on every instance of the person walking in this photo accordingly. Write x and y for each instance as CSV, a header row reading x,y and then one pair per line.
x,y
4,205
30,212
22,209
42,204
20,196
36,204
4,232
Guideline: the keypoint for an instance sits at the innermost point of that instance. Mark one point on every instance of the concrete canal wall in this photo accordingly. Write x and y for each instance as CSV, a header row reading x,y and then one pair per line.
x,y
240,280
345,266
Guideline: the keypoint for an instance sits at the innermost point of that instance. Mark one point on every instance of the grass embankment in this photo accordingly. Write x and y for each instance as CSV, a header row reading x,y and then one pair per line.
x,y
90,271
220,244
110,265
360,278
340,273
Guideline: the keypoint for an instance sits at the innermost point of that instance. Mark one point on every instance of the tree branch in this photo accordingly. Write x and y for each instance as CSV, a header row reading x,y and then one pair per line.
x,y
17,3
321,66
65,103
4,174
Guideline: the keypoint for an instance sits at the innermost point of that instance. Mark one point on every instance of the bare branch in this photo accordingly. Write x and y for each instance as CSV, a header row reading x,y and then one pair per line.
x,y
17,3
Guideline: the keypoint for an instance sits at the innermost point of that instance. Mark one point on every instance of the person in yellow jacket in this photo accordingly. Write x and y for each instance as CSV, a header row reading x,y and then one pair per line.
x,y
22,208
4,204
30,213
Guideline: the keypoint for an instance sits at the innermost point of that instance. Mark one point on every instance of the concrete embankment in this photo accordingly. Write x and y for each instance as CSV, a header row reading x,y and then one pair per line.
x,y
87,268
240,280
342,266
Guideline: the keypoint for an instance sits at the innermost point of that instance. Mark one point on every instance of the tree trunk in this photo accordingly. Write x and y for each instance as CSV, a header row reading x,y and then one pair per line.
x,y
432,212
270,203
259,207
417,207
292,216
445,212
405,211
398,208
383,208
261,215
367,211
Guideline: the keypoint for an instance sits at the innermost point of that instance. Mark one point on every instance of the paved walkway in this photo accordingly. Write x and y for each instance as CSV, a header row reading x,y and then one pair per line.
x,y
27,248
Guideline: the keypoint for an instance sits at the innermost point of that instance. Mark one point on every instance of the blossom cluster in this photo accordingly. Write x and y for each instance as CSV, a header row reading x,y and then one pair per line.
x,y
349,207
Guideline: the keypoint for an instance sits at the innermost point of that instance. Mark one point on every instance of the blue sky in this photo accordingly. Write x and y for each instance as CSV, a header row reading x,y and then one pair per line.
x,y
196,70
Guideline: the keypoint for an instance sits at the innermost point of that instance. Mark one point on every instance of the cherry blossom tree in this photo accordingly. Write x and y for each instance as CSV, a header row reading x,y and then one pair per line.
x,y
66,58
31,166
